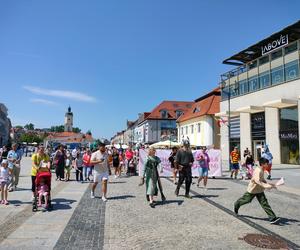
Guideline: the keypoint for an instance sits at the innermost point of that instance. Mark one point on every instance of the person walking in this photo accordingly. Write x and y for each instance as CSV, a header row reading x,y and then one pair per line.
x,y
116,162
59,161
172,161
68,166
203,160
87,164
3,153
234,159
129,156
100,161
38,159
256,188
77,163
267,155
14,161
183,162
150,172
249,163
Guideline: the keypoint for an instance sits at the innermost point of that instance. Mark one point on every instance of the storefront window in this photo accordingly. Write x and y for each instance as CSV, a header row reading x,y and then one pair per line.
x,y
292,70
264,79
289,137
277,75
253,84
291,48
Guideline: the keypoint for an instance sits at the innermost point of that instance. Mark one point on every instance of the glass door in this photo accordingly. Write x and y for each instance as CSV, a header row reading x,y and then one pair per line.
x,y
257,149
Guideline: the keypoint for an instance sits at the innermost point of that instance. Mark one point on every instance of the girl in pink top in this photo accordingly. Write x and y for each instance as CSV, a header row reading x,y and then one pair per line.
x,y
43,190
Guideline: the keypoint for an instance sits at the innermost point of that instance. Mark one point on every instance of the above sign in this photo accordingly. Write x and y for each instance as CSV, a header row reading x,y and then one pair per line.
x,y
281,41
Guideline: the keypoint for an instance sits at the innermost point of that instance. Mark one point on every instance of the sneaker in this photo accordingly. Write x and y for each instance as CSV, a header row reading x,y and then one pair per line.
x,y
188,196
151,204
92,195
236,211
104,199
176,192
273,221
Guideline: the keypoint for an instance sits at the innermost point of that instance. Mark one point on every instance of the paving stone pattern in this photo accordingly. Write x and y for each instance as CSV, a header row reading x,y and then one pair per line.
x,y
85,229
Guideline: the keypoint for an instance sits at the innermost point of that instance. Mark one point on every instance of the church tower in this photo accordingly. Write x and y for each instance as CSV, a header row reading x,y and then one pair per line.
x,y
69,121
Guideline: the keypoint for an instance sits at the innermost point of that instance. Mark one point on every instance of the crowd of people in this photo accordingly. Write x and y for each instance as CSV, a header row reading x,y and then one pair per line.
x,y
94,165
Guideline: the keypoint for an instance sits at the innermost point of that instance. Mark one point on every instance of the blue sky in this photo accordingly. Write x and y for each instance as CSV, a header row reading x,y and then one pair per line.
x,y
111,60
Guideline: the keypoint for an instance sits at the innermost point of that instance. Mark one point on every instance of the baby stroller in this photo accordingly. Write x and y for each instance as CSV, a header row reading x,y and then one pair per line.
x,y
47,177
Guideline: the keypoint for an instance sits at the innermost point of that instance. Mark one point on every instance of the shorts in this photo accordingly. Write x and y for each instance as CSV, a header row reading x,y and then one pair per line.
x,y
68,169
203,171
4,184
100,177
235,166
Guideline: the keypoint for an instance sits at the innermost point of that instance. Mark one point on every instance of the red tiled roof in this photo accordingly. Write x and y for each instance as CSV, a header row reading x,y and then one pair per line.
x,y
210,105
171,107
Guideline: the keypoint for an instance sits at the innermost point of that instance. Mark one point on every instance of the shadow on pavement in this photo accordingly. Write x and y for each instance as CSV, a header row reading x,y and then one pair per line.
x,y
117,182
62,204
161,203
205,196
121,197
217,188
17,203
22,189
282,221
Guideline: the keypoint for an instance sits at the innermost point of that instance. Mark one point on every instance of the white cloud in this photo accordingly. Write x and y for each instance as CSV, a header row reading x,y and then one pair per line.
x,y
43,101
61,93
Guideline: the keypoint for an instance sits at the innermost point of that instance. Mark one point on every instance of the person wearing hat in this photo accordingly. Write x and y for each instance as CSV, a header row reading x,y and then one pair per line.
x,y
183,161
101,170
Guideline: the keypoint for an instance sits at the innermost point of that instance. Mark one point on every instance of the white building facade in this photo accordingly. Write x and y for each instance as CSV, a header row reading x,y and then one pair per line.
x,y
260,99
5,125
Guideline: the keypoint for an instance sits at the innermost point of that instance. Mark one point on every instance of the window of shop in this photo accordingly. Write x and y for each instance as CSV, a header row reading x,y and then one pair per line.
x,y
289,136
291,70
264,60
277,75
192,129
276,54
291,48
253,84
264,79
243,87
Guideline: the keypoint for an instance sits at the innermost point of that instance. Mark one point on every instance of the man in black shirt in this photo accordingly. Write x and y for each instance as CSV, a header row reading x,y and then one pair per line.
x,y
183,162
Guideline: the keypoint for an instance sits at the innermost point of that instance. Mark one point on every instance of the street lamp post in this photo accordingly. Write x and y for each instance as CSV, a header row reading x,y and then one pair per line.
x,y
223,86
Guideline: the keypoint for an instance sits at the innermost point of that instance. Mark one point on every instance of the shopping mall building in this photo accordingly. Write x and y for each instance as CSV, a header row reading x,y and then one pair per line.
x,y
260,98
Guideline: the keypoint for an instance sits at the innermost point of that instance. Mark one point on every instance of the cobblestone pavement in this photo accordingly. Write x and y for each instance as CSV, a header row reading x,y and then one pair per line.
x,y
204,222
126,221
85,229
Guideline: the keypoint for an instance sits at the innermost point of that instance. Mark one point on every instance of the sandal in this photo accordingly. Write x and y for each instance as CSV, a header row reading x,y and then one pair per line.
x,y
6,203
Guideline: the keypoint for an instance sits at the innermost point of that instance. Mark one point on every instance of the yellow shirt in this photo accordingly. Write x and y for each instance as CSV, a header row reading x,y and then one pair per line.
x,y
258,183
36,161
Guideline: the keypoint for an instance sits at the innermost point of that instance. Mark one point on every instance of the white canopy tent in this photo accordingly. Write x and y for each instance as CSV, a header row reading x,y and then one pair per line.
x,y
167,143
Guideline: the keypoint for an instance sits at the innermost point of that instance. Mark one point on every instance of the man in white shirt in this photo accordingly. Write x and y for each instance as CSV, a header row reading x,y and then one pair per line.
x,y
101,170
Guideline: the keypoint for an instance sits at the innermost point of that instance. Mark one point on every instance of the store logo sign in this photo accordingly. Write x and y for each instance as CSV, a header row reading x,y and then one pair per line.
x,y
289,135
281,41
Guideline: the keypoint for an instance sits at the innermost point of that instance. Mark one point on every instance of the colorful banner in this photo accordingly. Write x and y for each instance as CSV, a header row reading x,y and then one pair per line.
x,y
164,154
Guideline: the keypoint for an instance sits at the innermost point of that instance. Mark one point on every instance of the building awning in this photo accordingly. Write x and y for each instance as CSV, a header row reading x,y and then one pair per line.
x,y
250,109
281,103
254,51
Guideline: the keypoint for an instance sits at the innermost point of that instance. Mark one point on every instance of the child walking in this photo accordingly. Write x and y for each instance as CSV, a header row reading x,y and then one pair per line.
x,y
256,188
5,177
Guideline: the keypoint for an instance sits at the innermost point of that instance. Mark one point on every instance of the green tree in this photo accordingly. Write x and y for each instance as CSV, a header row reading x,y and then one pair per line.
x,y
19,126
89,132
60,128
76,130
30,138
29,126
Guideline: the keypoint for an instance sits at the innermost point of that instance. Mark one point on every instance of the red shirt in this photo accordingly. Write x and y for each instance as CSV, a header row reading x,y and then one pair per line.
x,y
86,160
129,155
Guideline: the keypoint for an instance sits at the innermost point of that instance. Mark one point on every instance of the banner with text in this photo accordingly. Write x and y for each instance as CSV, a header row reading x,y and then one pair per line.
x,y
215,165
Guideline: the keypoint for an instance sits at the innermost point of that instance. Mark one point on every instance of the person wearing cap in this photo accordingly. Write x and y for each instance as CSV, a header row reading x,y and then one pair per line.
x,y
183,161
101,170
14,164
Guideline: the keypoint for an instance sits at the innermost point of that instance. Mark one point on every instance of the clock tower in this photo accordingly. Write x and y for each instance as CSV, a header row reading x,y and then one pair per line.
x,y
69,120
